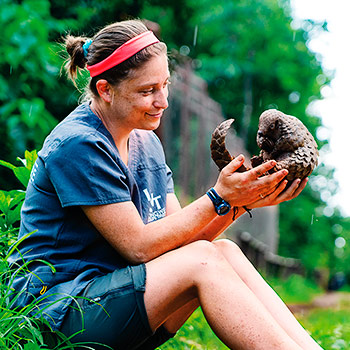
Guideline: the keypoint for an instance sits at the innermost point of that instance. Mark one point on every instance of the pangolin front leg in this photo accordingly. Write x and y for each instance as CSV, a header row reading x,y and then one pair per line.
x,y
221,156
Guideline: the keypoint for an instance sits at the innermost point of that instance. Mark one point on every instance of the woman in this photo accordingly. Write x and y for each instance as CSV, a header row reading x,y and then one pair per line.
x,y
102,201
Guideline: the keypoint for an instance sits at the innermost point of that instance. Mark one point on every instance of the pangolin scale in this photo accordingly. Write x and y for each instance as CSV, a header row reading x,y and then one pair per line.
x,y
281,137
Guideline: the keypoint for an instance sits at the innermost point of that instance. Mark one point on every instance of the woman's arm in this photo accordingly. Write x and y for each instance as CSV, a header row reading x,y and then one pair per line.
x,y
122,226
214,228
221,223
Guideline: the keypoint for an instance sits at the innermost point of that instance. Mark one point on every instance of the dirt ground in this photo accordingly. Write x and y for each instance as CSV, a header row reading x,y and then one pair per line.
x,y
330,300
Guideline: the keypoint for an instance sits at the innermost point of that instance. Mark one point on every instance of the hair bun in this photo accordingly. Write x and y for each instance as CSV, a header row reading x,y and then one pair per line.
x,y
74,47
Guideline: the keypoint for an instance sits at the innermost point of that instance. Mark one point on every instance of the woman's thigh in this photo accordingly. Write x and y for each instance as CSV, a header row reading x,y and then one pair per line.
x,y
173,279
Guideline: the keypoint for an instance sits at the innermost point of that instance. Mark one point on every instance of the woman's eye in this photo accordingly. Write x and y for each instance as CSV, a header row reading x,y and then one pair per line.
x,y
149,91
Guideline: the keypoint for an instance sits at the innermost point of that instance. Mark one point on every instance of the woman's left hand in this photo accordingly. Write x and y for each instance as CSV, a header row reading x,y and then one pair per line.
x,y
280,194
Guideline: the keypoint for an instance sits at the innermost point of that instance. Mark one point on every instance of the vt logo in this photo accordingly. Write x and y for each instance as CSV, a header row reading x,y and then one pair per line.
x,y
156,211
152,200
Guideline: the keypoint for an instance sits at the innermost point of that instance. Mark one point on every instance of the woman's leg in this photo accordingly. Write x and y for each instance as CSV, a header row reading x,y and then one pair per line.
x,y
265,293
180,316
200,271
169,328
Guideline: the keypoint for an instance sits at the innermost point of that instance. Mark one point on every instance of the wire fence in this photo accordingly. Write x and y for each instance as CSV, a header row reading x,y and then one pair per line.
x,y
264,260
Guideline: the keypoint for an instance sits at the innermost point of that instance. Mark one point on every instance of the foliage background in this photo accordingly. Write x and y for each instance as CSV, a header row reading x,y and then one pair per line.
x,y
251,54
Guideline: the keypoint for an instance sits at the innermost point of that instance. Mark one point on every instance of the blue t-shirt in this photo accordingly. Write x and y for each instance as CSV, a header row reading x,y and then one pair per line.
x,y
79,164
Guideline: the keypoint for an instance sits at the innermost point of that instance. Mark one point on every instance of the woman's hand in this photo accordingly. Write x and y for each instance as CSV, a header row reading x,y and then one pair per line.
x,y
280,194
250,188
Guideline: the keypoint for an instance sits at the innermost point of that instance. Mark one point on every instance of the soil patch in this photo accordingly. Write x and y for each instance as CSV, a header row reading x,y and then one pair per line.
x,y
330,300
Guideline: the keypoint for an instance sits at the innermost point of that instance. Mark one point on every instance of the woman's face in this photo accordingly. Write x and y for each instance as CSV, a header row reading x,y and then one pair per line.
x,y
140,100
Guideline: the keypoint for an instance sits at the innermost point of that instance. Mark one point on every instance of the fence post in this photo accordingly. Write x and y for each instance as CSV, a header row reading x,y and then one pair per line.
x,y
185,133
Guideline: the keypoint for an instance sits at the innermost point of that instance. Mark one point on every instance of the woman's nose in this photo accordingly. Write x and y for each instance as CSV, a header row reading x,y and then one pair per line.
x,y
161,100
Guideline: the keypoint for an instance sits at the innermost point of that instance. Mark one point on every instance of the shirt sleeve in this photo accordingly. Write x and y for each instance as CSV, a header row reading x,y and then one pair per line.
x,y
170,181
86,170
169,173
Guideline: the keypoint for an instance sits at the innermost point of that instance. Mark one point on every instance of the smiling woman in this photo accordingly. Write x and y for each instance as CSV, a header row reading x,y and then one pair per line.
x,y
136,103
102,204
139,100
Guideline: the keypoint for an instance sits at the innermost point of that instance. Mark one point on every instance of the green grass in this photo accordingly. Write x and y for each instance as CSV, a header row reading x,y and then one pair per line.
x,y
296,289
331,328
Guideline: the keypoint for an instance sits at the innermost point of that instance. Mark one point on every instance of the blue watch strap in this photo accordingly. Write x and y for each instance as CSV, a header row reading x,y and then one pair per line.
x,y
220,205
213,195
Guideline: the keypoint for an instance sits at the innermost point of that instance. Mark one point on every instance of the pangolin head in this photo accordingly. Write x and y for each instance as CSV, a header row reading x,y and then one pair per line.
x,y
270,123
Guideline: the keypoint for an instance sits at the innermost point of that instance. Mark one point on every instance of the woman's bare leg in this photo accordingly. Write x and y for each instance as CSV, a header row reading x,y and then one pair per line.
x,y
199,270
265,294
180,316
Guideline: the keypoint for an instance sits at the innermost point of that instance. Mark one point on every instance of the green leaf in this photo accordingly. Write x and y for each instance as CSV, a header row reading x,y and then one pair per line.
x,y
7,165
5,201
3,226
31,346
17,198
30,158
13,216
23,175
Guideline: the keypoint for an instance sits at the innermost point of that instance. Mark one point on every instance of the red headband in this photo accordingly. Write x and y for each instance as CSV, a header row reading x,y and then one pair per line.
x,y
122,53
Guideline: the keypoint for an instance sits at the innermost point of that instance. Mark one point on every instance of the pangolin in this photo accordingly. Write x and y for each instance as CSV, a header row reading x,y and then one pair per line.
x,y
281,137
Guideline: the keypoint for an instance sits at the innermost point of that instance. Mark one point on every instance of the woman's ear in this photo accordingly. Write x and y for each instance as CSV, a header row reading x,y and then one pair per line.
x,y
105,90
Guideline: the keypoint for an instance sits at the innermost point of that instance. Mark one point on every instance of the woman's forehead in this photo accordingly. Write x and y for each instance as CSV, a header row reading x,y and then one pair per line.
x,y
153,72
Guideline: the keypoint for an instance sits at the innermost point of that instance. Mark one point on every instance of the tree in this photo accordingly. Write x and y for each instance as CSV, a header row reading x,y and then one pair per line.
x,y
28,73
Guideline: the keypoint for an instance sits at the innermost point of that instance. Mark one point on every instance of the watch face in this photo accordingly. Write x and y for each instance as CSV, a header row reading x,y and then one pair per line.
x,y
223,209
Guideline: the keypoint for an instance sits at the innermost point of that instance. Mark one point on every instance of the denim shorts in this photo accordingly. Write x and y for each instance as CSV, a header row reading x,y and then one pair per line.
x,y
112,312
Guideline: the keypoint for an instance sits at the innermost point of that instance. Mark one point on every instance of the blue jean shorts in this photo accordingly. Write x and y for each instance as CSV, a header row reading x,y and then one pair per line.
x,y
112,312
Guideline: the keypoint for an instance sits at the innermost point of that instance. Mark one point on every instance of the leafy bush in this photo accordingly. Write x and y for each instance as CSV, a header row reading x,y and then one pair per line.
x,y
21,328
11,202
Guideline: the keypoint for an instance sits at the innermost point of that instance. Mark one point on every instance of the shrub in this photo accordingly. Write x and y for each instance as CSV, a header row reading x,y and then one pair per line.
x,y
21,327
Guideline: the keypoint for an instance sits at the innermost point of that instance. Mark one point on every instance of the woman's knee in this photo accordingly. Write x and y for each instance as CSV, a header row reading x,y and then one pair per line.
x,y
188,261
191,264
205,255
204,250
226,246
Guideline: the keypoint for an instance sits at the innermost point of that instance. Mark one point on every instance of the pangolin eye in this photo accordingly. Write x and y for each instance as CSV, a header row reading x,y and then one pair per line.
x,y
274,125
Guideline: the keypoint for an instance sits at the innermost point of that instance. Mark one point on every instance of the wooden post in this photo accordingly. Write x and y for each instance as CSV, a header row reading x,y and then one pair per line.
x,y
185,134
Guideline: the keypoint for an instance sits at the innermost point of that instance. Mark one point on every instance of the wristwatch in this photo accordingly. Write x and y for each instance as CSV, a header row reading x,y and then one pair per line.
x,y
220,205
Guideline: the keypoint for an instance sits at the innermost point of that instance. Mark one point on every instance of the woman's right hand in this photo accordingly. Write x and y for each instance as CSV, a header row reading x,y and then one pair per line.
x,y
241,189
